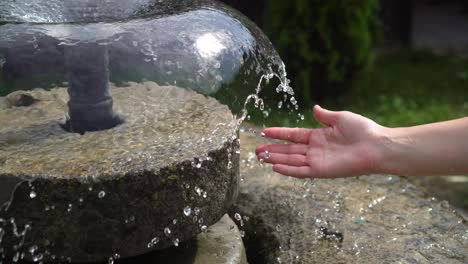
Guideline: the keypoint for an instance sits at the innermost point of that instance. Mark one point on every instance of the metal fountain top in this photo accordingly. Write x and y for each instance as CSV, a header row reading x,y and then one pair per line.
x,y
85,11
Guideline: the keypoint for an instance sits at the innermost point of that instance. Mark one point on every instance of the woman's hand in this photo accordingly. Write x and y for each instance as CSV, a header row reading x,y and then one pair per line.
x,y
349,145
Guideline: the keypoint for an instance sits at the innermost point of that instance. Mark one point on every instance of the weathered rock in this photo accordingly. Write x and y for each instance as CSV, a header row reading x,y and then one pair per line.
x,y
374,219
87,197
221,244
451,188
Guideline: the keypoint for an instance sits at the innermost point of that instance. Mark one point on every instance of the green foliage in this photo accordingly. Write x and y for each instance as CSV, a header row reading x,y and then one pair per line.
x,y
325,44
411,88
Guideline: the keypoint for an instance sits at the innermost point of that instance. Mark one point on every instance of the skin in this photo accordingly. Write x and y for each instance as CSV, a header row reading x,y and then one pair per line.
x,y
351,145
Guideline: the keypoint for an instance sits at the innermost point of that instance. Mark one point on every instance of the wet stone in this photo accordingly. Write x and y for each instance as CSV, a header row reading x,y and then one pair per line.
x,y
114,190
372,219
220,244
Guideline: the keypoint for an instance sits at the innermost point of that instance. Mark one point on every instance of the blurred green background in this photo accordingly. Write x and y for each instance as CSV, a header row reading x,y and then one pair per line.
x,y
359,56
401,63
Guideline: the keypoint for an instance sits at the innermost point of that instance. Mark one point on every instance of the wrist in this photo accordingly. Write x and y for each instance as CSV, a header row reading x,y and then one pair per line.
x,y
384,142
393,146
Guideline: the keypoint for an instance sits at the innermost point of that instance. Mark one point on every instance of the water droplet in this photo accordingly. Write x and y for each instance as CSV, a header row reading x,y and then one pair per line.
x,y
174,222
293,100
205,195
81,200
167,231
263,134
16,257
198,190
237,216
204,229
90,189
280,104
110,261
70,207
267,154
196,210
176,242
101,194
242,233
278,228
187,211
153,242
38,257
32,194
33,249
262,161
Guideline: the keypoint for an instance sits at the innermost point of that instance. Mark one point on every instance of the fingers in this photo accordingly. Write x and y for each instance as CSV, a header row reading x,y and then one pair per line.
x,y
295,135
298,172
291,160
283,149
325,117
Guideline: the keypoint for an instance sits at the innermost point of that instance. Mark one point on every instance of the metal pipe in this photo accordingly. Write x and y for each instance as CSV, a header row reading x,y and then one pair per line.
x,y
90,104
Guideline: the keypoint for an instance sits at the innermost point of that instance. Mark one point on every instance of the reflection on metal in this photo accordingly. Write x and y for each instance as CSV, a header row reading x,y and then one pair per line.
x,y
209,45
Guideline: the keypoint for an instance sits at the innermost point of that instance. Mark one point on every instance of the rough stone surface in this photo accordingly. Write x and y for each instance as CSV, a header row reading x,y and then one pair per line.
x,y
373,219
451,188
221,244
87,197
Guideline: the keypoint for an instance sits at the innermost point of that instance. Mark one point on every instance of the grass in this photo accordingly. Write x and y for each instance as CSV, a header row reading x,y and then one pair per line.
x,y
403,89
412,88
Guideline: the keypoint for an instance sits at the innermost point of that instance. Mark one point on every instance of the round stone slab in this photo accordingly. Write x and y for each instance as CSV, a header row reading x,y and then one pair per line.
x,y
169,170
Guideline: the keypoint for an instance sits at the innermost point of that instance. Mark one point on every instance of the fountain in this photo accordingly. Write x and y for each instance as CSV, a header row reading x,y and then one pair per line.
x,y
120,142
119,124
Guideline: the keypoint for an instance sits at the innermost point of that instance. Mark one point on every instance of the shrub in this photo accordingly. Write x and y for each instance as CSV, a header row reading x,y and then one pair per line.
x,y
325,44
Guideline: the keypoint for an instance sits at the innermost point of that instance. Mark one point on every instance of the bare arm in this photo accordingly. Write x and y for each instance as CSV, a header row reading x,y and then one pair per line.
x,y
352,145
433,149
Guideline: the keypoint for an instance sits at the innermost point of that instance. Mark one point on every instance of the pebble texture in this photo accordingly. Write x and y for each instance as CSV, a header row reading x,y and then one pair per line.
x,y
87,197
373,219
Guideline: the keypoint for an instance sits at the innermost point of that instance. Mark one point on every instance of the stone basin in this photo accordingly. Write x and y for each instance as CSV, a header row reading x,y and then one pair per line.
x,y
370,219
164,175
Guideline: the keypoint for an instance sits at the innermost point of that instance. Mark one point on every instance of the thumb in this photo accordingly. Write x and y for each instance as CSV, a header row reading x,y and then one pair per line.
x,y
325,117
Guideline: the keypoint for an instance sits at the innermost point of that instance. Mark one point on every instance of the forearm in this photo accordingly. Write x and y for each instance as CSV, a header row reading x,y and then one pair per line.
x,y
433,149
